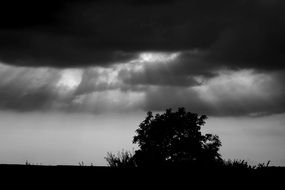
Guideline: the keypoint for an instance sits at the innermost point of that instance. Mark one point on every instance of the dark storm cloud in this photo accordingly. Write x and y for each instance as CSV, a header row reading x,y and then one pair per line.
x,y
256,40
36,48
229,59
79,33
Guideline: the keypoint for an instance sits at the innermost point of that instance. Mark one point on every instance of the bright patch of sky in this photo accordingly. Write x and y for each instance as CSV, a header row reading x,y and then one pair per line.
x,y
70,78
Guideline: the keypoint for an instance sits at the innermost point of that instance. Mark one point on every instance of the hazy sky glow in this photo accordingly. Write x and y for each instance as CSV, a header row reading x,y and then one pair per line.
x,y
77,78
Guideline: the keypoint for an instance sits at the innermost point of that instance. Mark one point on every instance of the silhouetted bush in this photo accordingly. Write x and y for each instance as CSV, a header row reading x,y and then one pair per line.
x,y
238,164
263,165
123,159
242,164
174,139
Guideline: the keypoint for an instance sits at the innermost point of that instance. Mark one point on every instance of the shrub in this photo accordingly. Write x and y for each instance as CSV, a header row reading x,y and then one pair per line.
x,y
242,164
123,159
237,164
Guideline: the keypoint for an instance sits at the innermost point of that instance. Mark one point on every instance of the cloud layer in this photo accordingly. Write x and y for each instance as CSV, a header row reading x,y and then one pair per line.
x,y
235,34
215,57
114,89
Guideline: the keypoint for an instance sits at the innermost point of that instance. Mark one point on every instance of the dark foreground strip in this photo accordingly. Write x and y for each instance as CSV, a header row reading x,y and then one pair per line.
x,y
85,176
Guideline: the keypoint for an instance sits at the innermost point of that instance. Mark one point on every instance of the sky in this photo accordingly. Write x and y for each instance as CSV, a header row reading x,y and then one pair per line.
x,y
77,77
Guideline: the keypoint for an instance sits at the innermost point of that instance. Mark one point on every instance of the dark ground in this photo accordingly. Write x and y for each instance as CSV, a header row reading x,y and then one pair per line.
x,y
87,177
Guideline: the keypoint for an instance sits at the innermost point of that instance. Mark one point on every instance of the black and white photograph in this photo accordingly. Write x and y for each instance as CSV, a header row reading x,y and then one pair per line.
x,y
117,87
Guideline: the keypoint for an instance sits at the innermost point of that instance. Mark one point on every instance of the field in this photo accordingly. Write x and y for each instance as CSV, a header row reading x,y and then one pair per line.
x,y
37,176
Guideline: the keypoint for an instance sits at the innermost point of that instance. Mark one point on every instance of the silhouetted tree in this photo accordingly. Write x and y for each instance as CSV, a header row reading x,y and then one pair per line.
x,y
174,139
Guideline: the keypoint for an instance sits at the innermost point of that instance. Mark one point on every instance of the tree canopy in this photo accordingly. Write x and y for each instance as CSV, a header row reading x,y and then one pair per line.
x,y
174,138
